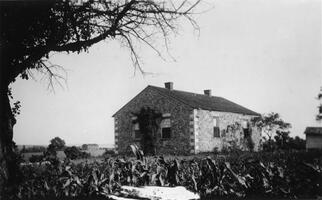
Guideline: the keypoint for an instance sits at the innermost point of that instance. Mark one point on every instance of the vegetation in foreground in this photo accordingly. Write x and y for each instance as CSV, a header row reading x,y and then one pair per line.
x,y
247,175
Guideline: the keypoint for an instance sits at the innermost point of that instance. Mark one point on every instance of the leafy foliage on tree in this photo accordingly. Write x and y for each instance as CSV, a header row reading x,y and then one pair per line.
x,y
297,143
74,153
55,145
319,115
148,125
284,142
270,124
281,139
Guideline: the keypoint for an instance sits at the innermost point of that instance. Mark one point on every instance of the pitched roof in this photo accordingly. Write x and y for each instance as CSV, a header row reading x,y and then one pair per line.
x,y
313,131
205,102
199,101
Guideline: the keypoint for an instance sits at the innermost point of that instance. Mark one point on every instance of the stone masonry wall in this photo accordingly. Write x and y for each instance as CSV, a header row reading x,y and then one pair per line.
x,y
179,143
204,133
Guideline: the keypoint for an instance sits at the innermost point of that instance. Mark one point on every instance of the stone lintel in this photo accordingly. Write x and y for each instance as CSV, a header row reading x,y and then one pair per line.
x,y
166,115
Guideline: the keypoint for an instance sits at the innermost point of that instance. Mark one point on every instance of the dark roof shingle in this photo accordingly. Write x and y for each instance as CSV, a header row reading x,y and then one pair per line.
x,y
205,102
313,131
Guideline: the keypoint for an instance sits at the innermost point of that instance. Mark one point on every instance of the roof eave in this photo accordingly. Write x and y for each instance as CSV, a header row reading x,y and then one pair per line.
x,y
130,100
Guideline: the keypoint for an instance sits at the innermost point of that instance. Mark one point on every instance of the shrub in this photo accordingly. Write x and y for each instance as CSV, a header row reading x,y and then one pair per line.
x,y
74,153
216,151
109,152
36,158
250,144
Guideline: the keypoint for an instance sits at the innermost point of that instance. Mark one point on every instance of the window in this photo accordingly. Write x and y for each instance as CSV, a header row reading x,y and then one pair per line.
x,y
246,133
216,127
216,132
246,130
166,133
166,128
136,131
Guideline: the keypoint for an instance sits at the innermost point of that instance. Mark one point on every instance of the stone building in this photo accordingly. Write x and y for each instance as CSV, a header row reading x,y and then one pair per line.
x,y
313,137
190,123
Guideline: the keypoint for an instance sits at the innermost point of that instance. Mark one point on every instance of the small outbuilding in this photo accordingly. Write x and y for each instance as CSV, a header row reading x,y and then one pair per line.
x,y
313,137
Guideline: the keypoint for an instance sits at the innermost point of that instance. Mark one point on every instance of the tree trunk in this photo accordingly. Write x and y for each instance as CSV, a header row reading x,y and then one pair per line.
x,y
8,164
6,134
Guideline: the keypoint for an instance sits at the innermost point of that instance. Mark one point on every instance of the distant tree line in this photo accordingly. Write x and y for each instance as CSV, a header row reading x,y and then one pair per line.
x,y
33,149
57,144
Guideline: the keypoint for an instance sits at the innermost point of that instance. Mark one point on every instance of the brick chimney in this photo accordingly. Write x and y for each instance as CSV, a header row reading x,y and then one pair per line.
x,y
207,92
169,85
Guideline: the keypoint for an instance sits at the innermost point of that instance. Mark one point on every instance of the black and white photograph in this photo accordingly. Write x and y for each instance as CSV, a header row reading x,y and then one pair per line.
x,y
160,99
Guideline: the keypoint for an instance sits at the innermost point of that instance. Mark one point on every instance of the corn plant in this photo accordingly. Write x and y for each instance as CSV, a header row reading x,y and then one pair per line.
x,y
292,175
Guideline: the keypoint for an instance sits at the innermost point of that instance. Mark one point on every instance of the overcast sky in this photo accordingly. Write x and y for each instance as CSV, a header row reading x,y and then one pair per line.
x,y
264,55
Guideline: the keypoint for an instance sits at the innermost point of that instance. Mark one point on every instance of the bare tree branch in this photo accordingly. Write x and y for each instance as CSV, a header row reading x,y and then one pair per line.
x,y
67,27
